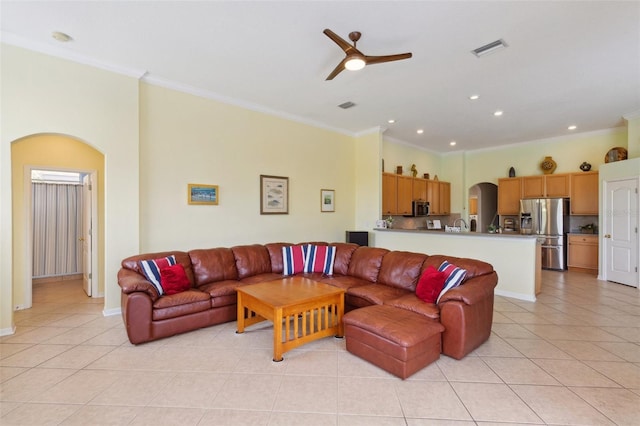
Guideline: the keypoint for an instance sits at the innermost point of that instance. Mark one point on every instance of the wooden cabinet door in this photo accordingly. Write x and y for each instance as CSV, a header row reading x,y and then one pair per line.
x,y
419,189
509,195
533,186
584,193
389,194
557,185
405,194
445,197
583,253
433,196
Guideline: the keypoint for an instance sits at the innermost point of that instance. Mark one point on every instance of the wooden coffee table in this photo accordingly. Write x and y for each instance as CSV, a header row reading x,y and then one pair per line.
x,y
301,309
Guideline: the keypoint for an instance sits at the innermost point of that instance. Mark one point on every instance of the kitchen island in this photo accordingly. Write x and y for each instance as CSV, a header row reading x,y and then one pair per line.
x,y
515,257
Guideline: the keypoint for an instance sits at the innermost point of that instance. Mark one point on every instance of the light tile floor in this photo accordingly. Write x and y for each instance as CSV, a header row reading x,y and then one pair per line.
x,y
570,358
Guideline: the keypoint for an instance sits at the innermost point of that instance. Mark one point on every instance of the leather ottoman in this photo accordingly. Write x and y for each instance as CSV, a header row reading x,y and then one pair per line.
x,y
397,340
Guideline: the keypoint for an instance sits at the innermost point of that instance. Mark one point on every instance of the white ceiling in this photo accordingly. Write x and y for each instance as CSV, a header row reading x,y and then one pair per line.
x,y
568,62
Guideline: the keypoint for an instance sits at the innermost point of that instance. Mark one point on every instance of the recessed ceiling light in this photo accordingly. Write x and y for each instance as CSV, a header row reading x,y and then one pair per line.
x,y
61,37
572,127
391,121
452,143
474,97
419,131
498,113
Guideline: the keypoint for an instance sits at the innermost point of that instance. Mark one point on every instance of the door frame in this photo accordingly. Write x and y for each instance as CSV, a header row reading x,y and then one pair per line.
x,y
28,202
604,265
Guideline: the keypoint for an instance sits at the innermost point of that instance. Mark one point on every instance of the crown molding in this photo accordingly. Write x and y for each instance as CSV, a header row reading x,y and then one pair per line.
x,y
411,145
632,115
207,94
59,52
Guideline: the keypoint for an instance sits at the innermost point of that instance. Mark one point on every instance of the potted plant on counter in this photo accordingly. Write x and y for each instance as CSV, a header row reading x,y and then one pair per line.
x,y
389,221
589,228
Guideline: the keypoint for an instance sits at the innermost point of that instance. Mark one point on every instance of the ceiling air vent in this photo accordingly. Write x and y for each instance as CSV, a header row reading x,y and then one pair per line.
x,y
347,105
489,48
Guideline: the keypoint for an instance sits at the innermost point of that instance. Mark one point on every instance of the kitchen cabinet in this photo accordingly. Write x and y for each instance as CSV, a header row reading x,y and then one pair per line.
x,y
445,197
419,189
584,193
397,194
389,193
582,255
405,194
546,186
509,195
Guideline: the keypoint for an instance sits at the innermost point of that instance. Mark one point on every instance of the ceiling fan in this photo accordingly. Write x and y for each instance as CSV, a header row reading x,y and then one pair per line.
x,y
354,59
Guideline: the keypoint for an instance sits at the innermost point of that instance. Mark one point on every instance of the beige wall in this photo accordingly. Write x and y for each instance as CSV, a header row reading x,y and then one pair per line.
x,y
43,94
56,152
187,139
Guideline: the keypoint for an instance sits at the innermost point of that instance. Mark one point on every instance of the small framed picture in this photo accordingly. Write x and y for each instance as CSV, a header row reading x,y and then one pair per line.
x,y
274,195
204,195
327,200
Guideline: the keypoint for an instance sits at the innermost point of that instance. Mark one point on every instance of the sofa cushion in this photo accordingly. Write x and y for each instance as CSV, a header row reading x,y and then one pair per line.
x,y
173,279
213,264
275,254
401,269
344,251
320,259
365,263
453,277
372,294
294,259
180,304
473,267
430,285
151,270
251,260
410,302
222,293
343,281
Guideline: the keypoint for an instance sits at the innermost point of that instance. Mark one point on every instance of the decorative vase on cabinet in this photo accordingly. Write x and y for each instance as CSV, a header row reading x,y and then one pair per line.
x,y
548,166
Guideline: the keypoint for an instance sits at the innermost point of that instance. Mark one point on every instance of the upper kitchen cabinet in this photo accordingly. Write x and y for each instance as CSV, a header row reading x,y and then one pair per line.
x,y
439,197
419,189
405,194
445,198
584,193
546,186
389,193
509,195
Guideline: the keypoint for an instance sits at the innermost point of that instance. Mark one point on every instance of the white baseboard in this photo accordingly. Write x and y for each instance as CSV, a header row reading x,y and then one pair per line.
x,y
8,331
111,312
512,295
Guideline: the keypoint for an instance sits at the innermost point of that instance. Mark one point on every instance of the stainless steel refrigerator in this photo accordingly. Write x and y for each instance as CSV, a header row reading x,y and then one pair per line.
x,y
549,219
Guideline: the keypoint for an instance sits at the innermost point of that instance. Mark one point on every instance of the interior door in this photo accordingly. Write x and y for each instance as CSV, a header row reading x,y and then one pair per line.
x,y
86,235
620,239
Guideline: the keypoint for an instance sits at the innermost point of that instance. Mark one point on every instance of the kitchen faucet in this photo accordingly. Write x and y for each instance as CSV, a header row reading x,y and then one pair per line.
x,y
462,220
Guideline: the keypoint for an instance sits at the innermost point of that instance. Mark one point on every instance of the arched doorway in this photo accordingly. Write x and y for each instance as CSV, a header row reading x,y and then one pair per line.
x,y
53,152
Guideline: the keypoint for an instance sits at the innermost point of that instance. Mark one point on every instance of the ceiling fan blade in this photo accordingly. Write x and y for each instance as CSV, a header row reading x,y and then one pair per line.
x,y
337,69
344,45
370,60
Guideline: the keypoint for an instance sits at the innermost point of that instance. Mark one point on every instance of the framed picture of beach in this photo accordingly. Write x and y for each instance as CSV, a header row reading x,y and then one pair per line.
x,y
327,200
204,195
274,195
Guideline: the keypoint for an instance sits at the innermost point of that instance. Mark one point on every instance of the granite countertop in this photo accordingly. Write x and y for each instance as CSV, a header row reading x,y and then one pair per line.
x,y
461,234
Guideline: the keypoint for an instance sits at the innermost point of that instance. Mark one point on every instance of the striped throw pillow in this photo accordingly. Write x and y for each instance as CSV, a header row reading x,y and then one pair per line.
x,y
320,259
294,259
151,270
453,277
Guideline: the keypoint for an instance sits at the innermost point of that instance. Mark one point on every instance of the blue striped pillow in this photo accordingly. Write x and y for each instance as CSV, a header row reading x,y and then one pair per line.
x,y
453,277
151,270
320,259
294,259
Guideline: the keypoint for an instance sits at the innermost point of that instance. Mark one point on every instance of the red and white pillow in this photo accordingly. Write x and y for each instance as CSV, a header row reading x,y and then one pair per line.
x,y
453,277
308,258
320,259
151,270
167,276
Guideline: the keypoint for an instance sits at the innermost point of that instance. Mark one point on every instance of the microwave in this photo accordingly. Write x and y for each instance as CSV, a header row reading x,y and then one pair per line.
x,y
419,208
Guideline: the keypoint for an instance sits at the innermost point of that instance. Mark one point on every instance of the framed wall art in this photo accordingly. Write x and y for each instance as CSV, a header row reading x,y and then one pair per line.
x,y
274,195
327,200
204,195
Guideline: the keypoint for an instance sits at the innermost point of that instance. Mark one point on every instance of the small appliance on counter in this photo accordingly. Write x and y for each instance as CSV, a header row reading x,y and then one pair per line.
x,y
509,225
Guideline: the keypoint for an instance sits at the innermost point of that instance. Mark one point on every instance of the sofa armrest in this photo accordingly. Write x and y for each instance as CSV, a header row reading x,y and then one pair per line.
x,y
130,281
472,291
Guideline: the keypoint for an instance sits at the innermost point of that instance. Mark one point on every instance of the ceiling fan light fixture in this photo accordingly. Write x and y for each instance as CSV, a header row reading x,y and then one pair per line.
x,y
355,63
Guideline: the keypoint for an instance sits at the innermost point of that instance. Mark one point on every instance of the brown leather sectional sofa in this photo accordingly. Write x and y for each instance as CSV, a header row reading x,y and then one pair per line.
x,y
370,276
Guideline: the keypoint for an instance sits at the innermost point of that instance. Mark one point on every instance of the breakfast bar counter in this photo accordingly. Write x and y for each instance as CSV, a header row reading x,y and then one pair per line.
x,y
515,257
